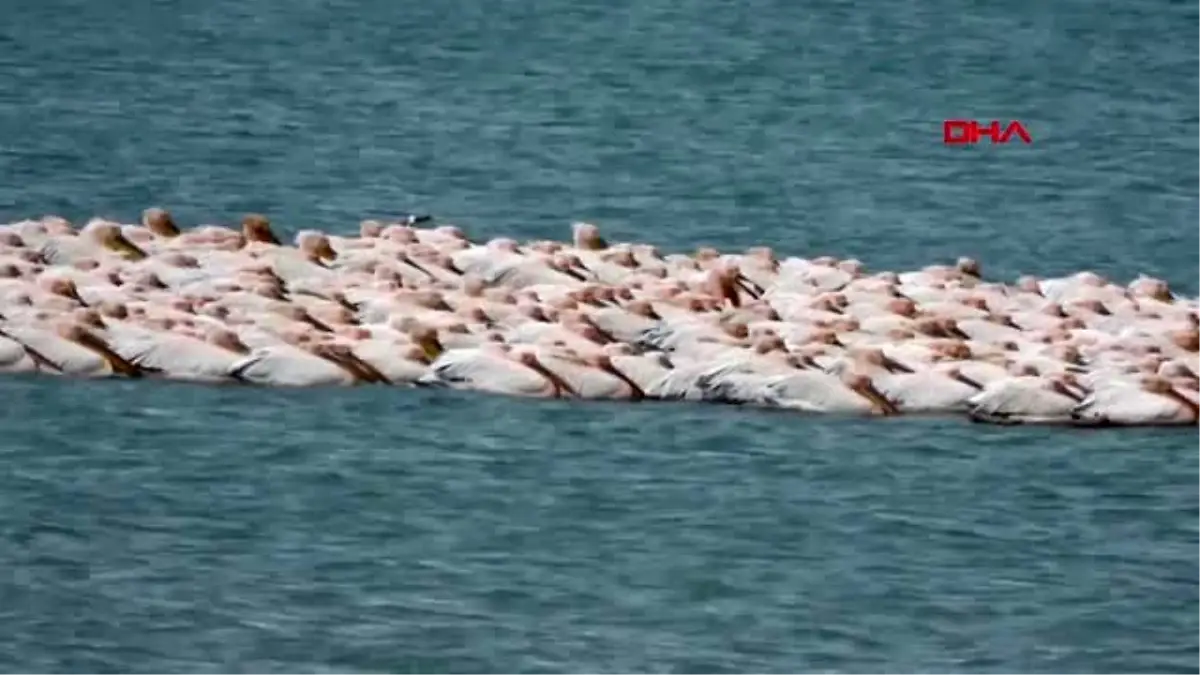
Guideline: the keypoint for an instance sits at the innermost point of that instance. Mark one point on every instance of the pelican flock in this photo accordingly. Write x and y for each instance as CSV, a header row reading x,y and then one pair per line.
x,y
412,303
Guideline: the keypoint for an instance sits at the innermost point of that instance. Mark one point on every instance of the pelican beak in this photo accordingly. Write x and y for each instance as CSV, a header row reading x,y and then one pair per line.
x,y
752,289
611,369
881,402
894,366
572,273
267,235
167,229
956,332
319,325
431,347
967,381
115,361
326,252
1061,389
559,384
125,248
339,359
584,271
606,338
73,294
369,373
404,258
488,322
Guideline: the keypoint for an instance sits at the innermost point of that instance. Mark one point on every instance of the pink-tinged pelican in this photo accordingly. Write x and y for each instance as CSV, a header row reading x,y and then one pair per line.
x,y
98,238
912,391
590,376
285,365
178,356
1026,399
816,391
498,369
67,348
1152,400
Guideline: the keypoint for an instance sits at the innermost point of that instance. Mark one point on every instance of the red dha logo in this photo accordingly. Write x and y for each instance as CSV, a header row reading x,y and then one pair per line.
x,y
967,132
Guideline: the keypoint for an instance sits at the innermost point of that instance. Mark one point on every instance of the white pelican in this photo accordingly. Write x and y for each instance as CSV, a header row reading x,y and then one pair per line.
x,y
1151,401
1025,399
497,369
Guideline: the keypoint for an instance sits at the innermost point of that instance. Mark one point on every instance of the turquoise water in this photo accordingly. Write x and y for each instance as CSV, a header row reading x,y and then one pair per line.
x,y
161,527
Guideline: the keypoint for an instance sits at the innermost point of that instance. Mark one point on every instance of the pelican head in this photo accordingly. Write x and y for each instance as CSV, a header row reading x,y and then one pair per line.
x,y
642,308
767,343
109,236
622,257
160,222
1158,385
737,330
503,244
863,386
80,335
1029,284
1149,287
89,318
853,267
399,234
11,240
475,314
62,287
370,229
824,336
952,350
1187,340
427,339
256,227
902,307
315,246
706,255
721,283
969,267
1176,369
876,357
587,237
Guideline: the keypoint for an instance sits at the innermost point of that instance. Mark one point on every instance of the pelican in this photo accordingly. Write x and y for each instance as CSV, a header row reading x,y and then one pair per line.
x,y
1025,399
97,238
285,365
1151,401
925,391
591,376
815,391
497,369
69,349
